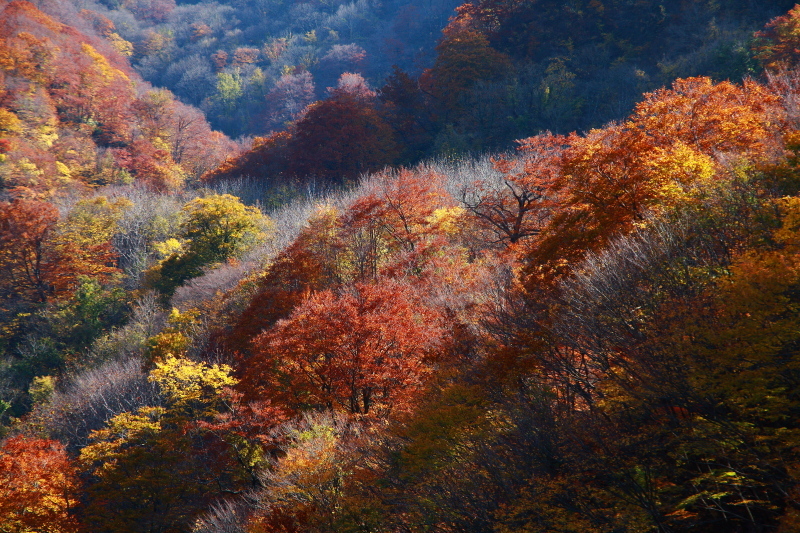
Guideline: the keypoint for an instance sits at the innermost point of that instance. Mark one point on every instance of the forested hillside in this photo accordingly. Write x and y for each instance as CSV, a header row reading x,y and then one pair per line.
x,y
252,66
356,320
502,70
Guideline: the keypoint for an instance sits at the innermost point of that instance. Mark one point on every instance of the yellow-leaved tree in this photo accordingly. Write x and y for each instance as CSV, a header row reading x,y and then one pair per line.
x,y
156,468
215,229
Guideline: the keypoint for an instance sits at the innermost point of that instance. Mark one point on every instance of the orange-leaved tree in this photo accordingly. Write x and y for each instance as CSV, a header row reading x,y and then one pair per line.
x,y
40,260
676,145
28,264
361,350
314,261
777,45
38,486
518,205
395,215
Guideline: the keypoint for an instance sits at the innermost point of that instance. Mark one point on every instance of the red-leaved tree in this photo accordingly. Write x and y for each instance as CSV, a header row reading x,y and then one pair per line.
x,y
362,350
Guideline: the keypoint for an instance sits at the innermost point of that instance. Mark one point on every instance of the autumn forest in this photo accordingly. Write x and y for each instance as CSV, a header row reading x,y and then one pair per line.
x,y
400,266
